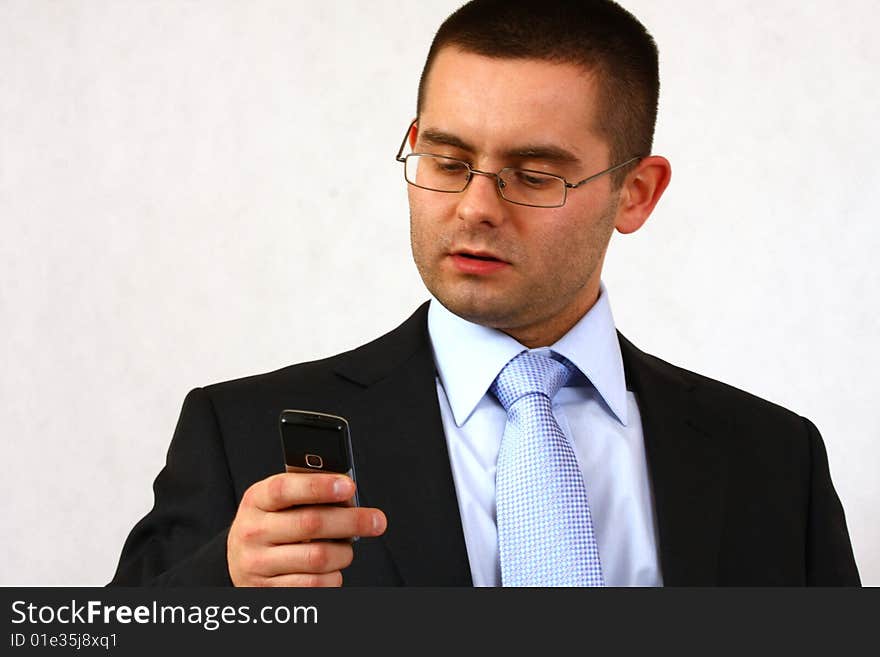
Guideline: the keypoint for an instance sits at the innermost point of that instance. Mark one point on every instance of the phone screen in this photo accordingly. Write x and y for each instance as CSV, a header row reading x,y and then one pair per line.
x,y
315,447
315,442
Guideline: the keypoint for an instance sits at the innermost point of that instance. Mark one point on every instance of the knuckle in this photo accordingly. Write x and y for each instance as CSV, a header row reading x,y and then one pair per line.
x,y
318,556
251,533
310,522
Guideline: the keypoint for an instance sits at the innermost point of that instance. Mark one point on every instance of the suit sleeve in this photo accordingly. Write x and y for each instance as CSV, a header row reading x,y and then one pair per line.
x,y
182,540
830,560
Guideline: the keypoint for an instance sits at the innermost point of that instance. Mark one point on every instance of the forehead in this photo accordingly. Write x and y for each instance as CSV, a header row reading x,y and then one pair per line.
x,y
497,103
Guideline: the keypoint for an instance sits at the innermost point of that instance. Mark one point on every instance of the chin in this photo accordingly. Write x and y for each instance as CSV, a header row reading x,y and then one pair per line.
x,y
494,313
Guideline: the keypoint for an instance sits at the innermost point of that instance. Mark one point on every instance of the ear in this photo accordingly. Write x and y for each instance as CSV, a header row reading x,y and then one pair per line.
x,y
641,191
413,134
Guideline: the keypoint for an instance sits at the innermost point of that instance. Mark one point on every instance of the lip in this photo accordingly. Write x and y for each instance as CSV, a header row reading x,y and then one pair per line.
x,y
478,253
477,262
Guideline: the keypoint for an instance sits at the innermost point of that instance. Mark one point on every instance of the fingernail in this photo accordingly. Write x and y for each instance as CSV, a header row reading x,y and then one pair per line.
x,y
342,487
377,522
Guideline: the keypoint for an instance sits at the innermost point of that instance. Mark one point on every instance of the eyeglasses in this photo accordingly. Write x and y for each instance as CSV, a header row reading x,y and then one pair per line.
x,y
536,189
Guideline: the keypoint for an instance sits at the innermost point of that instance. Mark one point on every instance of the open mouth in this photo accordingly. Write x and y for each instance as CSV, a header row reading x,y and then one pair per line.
x,y
478,264
471,256
477,256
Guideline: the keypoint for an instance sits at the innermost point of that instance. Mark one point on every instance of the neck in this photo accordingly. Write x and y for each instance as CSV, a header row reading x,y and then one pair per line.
x,y
547,332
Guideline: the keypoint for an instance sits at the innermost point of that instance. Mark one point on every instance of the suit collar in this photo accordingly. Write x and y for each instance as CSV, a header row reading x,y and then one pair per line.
x,y
383,356
470,356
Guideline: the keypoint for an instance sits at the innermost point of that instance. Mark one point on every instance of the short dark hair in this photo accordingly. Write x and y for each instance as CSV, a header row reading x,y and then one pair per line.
x,y
599,35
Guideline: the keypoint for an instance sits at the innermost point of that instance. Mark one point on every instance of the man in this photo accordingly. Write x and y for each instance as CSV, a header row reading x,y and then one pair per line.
x,y
506,434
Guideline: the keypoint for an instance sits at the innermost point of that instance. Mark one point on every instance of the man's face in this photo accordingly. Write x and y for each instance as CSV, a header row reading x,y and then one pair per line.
x,y
545,263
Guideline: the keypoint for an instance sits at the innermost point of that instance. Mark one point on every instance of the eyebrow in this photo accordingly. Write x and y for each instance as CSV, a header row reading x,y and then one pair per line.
x,y
546,152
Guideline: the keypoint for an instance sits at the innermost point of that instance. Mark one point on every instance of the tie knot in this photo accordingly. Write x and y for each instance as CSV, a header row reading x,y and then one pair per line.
x,y
528,373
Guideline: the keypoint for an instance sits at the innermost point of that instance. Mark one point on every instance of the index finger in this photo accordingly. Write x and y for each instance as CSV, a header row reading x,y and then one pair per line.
x,y
289,489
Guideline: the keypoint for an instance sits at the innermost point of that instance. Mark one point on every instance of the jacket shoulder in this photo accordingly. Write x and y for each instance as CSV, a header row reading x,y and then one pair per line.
x,y
359,365
715,395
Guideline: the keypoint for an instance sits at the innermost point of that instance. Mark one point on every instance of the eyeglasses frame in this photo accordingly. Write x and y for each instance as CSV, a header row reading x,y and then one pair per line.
x,y
499,182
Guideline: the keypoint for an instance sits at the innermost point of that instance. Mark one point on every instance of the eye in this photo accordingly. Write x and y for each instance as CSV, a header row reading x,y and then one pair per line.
x,y
452,167
532,179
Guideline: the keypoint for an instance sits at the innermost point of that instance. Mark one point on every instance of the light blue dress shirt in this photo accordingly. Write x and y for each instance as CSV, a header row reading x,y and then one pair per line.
x,y
597,413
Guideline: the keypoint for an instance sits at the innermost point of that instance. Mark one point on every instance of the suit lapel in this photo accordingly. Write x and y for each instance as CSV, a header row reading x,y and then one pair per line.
x,y
401,455
403,463
687,468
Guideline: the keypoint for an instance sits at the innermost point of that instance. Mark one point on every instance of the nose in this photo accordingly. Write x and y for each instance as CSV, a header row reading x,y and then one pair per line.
x,y
481,202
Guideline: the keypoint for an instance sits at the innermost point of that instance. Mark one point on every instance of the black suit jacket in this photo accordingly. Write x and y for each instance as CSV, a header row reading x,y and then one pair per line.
x,y
742,490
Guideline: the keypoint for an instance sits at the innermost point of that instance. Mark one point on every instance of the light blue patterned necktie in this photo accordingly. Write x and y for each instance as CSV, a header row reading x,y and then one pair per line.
x,y
545,531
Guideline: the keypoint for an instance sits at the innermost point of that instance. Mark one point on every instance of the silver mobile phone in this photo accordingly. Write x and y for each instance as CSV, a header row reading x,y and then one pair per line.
x,y
317,442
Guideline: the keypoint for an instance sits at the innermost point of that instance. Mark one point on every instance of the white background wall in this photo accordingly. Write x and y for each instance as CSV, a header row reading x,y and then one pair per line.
x,y
196,191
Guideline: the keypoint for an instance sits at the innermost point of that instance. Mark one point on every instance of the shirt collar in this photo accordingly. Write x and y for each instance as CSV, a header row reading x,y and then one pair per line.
x,y
469,356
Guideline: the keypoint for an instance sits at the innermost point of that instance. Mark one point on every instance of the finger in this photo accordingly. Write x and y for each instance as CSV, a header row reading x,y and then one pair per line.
x,y
316,557
288,489
321,522
312,580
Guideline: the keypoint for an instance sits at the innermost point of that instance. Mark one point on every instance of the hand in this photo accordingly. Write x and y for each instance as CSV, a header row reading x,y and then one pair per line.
x,y
272,544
